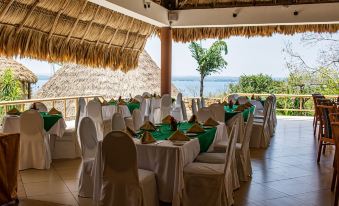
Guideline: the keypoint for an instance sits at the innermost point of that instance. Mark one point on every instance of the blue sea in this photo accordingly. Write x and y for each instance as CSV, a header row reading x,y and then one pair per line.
x,y
188,85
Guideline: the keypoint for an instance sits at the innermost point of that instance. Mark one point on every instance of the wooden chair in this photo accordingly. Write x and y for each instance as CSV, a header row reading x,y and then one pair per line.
x,y
335,183
316,118
325,135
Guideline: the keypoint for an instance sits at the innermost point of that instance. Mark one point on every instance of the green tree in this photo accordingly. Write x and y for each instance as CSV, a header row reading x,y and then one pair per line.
x,y
209,60
258,84
10,87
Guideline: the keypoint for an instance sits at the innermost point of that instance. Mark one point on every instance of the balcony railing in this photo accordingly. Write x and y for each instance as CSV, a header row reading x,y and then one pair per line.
x,y
67,105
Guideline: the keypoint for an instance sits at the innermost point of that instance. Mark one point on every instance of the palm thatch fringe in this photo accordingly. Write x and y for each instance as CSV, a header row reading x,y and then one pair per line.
x,y
76,31
194,34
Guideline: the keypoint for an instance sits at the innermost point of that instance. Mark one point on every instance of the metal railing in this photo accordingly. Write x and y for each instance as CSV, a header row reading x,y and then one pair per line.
x,y
67,105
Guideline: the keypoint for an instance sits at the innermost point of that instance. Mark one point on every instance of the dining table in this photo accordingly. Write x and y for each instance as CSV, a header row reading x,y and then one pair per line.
x,y
166,158
53,123
232,111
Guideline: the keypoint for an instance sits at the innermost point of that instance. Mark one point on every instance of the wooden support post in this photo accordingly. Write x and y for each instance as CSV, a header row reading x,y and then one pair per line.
x,y
166,60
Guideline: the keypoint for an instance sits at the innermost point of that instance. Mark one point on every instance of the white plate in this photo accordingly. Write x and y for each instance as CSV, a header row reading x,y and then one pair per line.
x,y
191,134
179,143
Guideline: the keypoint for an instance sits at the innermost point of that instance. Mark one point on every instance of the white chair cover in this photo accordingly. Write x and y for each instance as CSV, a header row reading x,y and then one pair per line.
x,y
89,142
242,100
143,108
67,147
94,112
41,107
118,122
34,142
139,98
184,111
137,119
233,97
218,112
122,182
146,94
258,107
199,104
261,131
210,184
155,113
194,107
165,106
203,102
203,114
177,112
243,158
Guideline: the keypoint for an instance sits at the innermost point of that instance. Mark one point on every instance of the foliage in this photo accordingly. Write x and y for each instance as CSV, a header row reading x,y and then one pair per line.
x,y
10,88
260,83
209,60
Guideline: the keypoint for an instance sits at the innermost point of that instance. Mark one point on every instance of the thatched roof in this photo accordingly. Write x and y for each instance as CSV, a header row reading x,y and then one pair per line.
x,y
75,31
20,72
194,34
75,80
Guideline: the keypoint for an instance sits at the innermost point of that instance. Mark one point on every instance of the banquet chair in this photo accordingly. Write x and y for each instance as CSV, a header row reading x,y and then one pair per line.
x,y
233,97
270,114
83,113
137,119
184,111
143,105
218,112
139,98
122,182
203,103
203,114
118,122
210,184
199,104
155,111
146,94
325,131
67,146
242,100
40,107
165,106
242,152
94,111
34,142
194,107
261,135
89,142
177,110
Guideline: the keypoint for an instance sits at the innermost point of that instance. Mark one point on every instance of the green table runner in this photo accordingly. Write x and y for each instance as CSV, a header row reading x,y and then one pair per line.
x,y
229,112
131,106
49,120
205,139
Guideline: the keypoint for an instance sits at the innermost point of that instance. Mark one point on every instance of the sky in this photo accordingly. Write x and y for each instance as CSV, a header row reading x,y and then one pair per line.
x,y
245,56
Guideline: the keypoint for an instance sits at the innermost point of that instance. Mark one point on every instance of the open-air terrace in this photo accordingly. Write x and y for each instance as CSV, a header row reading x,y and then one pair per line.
x,y
112,127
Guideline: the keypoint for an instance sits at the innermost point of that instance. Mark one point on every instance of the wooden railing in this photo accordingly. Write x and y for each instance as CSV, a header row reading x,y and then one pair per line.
x,y
304,102
67,105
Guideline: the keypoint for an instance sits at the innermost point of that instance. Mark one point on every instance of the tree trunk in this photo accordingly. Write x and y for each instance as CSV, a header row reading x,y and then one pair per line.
x,y
201,86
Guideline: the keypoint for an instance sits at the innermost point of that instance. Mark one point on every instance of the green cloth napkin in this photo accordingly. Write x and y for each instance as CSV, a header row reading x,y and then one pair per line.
x,y
229,112
49,120
205,139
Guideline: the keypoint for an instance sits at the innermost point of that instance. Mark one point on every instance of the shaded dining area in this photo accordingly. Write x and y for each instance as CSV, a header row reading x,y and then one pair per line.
x,y
86,139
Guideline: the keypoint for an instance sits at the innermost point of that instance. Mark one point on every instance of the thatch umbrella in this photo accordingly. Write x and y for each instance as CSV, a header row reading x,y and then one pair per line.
x,y
76,80
20,72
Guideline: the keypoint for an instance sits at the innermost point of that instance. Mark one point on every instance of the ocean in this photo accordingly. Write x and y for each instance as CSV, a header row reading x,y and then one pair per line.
x,y
187,85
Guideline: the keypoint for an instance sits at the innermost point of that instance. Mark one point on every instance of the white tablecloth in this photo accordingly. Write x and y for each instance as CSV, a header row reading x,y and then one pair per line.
x,y
164,159
11,124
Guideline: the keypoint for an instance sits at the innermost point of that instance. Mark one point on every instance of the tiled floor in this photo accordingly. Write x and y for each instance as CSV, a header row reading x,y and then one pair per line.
x,y
284,174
